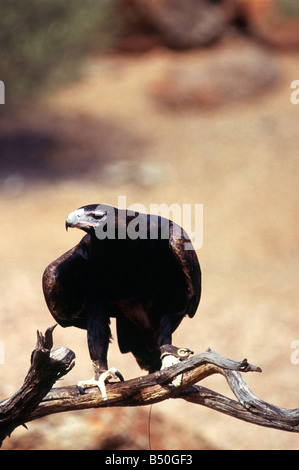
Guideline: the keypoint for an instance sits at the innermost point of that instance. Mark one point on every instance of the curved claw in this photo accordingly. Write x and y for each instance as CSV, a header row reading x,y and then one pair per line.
x,y
79,385
119,375
111,373
99,381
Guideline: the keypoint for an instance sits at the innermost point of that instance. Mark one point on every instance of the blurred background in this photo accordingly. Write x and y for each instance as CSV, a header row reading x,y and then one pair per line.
x,y
161,102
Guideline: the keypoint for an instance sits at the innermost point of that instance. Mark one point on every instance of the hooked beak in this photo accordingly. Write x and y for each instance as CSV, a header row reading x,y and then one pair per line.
x,y
77,219
73,220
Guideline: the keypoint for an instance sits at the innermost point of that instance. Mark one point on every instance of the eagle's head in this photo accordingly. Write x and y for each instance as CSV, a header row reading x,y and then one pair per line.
x,y
90,218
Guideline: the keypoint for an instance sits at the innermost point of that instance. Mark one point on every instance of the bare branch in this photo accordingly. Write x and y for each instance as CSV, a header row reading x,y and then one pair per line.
x,y
254,411
37,398
47,366
141,391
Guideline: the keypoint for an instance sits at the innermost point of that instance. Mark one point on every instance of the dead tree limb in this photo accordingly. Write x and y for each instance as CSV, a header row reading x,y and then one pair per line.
x,y
47,366
250,408
37,398
141,391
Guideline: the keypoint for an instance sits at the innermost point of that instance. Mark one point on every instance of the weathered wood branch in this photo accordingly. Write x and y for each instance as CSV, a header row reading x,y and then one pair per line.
x,y
250,408
37,398
141,391
47,366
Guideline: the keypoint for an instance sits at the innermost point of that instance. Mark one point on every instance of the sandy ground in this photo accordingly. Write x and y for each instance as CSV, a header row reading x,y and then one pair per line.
x,y
241,163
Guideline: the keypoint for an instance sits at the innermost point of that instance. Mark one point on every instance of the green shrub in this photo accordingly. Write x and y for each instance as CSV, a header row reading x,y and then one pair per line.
x,y
42,41
288,7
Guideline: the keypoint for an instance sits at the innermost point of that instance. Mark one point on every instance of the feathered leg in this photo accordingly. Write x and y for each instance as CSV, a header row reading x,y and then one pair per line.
x,y
98,336
170,355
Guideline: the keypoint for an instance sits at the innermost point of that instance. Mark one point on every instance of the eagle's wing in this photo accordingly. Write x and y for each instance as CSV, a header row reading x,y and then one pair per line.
x,y
65,286
189,264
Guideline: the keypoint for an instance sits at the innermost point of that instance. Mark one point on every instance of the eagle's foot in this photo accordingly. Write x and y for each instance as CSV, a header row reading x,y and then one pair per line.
x,y
111,373
169,361
171,355
99,380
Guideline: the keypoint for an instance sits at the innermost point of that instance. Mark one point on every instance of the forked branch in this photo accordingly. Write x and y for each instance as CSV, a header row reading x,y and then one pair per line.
x,y
47,366
37,398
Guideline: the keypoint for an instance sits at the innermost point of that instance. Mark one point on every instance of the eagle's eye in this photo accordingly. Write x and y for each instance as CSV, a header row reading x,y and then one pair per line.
x,y
97,215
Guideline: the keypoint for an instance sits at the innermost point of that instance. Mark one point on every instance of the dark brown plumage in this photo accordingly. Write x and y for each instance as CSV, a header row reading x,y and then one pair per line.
x,y
147,284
